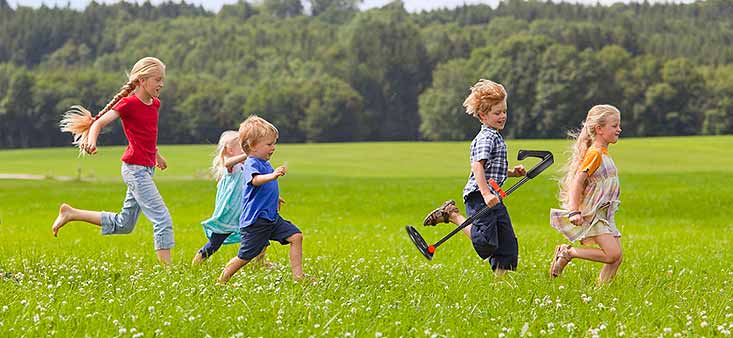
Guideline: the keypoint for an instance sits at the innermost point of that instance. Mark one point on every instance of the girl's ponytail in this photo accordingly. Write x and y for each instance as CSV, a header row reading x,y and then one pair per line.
x,y
78,119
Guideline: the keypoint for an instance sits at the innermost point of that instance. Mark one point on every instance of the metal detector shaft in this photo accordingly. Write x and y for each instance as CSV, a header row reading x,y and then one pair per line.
x,y
547,160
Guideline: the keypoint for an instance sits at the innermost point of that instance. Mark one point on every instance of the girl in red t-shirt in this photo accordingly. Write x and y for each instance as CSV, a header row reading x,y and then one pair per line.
x,y
137,106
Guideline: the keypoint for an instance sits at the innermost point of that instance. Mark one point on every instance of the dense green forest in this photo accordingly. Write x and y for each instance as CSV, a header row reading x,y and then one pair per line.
x,y
324,70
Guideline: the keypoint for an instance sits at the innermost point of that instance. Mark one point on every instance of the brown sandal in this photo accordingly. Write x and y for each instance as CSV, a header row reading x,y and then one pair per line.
x,y
441,214
560,260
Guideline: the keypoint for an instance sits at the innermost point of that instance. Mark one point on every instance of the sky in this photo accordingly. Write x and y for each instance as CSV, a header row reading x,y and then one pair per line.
x,y
410,5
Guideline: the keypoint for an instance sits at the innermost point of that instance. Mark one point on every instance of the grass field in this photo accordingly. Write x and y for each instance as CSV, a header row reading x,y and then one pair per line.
x,y
352,202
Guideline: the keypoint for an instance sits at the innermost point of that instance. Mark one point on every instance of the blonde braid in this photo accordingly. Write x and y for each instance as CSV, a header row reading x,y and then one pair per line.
x,y
77,120
124,92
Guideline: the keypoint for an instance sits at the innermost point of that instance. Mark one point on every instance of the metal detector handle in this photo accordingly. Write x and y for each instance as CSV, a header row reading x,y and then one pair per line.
x,y
496,189
546,156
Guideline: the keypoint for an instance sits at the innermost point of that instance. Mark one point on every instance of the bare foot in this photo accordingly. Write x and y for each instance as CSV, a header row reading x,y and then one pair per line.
x,y
269,265
260,263
62,219
198,259
305,279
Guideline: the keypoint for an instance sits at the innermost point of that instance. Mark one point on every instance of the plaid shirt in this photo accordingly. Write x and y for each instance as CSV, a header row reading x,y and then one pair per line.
x,y
488,145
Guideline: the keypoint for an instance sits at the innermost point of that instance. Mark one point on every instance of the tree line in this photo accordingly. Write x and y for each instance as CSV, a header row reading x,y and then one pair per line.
x,y
326,71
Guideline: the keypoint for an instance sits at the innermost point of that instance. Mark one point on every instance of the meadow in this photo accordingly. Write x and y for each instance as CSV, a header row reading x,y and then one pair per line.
x,y
352,202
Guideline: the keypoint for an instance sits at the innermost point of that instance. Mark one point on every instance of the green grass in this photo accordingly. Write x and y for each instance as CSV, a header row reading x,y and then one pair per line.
x,y
352,202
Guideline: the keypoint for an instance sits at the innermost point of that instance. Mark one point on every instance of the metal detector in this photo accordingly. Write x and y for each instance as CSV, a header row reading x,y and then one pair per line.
x,y
429,250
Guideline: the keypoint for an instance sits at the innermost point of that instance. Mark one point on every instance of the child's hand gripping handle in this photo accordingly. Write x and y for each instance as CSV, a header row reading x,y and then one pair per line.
x,y
496,189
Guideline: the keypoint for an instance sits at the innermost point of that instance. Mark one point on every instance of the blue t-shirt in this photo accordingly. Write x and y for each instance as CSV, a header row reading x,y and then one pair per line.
x,y
261,201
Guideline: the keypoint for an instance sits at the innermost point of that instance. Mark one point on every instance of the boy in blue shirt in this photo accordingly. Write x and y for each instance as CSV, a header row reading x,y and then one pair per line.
x,y
260,221
492,235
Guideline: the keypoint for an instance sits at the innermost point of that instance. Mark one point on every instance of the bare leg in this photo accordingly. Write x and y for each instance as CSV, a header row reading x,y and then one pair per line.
x,y
164,256
68,214
609,253
198,259
499,273
231,268
609,270
458,219
260,260
296,255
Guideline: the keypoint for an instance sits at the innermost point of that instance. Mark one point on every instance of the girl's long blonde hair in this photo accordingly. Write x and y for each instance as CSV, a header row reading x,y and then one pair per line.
x,y
584,137
217,164
77,120
484,95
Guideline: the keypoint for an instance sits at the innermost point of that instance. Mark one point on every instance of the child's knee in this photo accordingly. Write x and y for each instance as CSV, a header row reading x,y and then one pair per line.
x,y
295,238
617,258
126,225
613,257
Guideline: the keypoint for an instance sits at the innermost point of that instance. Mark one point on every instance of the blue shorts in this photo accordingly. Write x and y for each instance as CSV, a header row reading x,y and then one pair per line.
x,y
493,235
255,237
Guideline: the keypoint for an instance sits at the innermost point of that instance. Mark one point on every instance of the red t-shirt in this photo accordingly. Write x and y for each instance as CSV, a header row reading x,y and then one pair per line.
x,y
140,123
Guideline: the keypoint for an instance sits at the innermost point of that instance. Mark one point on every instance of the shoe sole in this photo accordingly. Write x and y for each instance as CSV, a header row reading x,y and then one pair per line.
x,y
438,209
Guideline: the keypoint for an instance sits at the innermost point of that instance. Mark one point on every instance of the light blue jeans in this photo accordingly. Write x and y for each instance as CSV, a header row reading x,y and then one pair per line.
x,y
142,195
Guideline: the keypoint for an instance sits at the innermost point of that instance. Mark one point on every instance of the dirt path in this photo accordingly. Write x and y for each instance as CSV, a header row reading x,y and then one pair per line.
x,y
33,177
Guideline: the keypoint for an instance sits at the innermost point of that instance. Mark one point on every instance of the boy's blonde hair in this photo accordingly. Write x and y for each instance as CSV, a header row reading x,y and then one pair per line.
x,y
484,95
77,120
217,164
597,116
253,130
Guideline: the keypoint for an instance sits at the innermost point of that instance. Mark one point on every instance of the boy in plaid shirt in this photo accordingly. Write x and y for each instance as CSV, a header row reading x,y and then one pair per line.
x,y
492,235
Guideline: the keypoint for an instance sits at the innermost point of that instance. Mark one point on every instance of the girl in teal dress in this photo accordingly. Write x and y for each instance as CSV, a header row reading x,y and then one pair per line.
x,y
223,226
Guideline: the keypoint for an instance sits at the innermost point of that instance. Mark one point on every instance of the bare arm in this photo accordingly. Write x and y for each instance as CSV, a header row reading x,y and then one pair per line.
x,y
231,161
160,161
576,190
576,193
90,145
483,186
262,179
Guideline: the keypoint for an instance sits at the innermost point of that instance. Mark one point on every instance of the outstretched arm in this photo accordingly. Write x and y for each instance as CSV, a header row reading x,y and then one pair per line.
x,y
262,179
230,162
90,145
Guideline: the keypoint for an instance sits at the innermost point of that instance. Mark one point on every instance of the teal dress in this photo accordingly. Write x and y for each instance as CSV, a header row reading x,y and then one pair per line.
x,y
229,205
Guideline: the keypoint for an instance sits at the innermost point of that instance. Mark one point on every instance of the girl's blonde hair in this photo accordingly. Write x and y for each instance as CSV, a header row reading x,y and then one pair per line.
x,y
217,164
77,120
597,116
484,95
253,130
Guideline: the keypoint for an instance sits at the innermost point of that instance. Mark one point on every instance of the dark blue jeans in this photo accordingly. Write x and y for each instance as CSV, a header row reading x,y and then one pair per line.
x,y
213,244
493,235
258,235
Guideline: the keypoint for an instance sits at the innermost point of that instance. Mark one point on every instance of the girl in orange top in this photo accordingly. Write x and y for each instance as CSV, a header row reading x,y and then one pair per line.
x,y
589,194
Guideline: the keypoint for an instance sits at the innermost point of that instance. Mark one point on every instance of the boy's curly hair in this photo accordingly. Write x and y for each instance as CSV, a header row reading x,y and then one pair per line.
x,y
484,95
253,130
